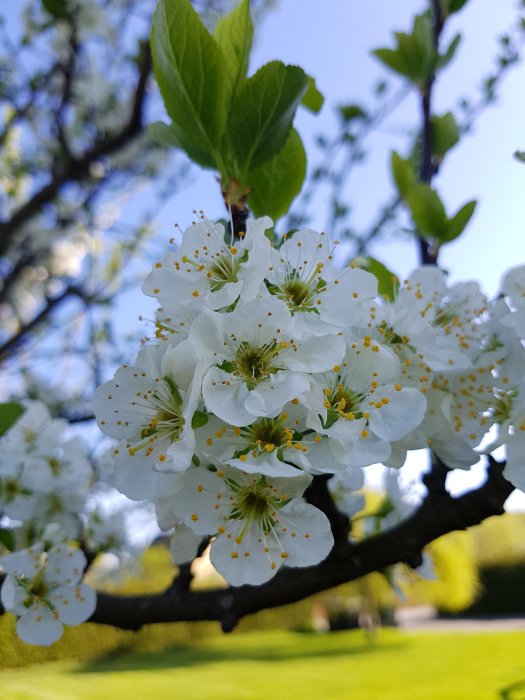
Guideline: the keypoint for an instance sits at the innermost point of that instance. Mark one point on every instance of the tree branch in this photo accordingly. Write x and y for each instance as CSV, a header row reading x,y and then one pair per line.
x,y
439,514
427,254
51,303
77,169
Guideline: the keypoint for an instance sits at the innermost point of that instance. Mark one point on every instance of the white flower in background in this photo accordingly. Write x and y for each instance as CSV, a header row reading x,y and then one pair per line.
x,y
343,487
321,299
259,523
362,406
208,271
255,365
513,286
43,590
184,544
107,532
149,406
421,327
44,477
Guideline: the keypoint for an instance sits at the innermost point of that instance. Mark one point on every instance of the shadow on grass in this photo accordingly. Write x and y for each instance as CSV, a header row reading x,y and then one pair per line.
x,y
516,691
302,646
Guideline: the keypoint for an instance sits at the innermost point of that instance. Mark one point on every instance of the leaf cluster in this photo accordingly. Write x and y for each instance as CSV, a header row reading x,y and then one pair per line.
x,y
224,120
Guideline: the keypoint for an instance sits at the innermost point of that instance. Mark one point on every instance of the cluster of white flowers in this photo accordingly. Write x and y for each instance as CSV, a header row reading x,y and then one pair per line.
x,y
271,366
45,476
45,482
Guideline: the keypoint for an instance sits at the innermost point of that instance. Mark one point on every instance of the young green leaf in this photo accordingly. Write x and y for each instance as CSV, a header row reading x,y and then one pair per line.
x,y
7,539
403,174
191,73
9,413
199,419
459,221
448,55
262,113
350,112
313,100
234,35
171,136
427,211
449,7
57,8
387,282
414,55
444,134
394,60
520,156
277,182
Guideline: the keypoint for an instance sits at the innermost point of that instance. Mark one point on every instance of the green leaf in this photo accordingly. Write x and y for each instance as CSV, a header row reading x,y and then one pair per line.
x,y
350,112
234,35
199,419
394,60
262,114
403,174
458,223
9,413
427,211
414,55
387,282
520,155
449,7
57,8
444,134
313,100
448,55
277,182
170,135
7,539
191,73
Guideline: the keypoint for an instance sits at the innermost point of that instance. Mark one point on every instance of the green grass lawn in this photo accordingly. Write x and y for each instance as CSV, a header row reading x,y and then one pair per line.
x,y
291,666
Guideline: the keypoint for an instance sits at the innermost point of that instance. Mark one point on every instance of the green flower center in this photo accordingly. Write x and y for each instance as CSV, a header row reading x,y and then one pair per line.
x,y
256,501
342,402
253,364
168,421
224,269
300,294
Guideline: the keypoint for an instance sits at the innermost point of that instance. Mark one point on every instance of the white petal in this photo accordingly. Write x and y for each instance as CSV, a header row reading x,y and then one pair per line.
x,y
39,626
269,397
75,604
304,533
184,544
225,396
404,412
316,354
64,564
253,560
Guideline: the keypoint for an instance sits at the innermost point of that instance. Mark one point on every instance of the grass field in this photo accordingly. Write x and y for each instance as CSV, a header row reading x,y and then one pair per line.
x,y
292,666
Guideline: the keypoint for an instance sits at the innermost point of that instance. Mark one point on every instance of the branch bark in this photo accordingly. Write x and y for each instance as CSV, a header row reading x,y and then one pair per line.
x,y
439,514
77,169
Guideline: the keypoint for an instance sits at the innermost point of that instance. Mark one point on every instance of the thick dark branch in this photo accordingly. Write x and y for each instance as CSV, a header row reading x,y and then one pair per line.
x,y
77,169
439,514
